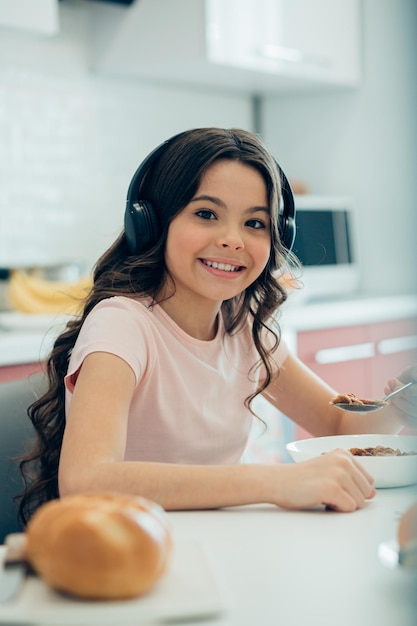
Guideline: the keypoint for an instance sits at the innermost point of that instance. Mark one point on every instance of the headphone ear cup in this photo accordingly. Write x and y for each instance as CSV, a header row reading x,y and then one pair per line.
x,y
141,222
287,230
286,222
287,233
141,226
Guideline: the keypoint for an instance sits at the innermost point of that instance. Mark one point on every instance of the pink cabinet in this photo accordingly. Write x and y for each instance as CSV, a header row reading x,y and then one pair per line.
x,y
396,347
360,358
13,372
341,356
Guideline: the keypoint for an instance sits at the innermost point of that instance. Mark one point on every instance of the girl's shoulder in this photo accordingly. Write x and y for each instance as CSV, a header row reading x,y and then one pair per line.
x,y
133,314
121,307
119,326
123,303
117,316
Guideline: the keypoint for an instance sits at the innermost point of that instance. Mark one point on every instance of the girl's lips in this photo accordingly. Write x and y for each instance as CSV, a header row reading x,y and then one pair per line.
x,y
223,269
227,266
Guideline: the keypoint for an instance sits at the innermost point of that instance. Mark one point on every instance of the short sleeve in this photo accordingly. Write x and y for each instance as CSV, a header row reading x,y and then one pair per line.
x,y
111,328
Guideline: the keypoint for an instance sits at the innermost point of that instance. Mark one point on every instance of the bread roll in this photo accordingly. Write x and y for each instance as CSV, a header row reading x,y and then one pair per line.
x,y
99,546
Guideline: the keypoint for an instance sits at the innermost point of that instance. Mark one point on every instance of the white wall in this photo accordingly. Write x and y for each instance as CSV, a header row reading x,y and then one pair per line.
x,y
363,143
70,141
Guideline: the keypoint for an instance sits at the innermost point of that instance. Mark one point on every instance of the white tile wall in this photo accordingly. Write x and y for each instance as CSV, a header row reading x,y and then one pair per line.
x,y
71,140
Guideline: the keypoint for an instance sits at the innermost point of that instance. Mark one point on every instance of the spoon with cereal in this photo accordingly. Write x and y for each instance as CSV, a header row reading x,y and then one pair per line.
x,y
350,402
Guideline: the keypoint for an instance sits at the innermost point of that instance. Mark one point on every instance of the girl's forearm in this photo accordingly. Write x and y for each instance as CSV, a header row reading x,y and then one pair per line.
x,y
336,479
177,486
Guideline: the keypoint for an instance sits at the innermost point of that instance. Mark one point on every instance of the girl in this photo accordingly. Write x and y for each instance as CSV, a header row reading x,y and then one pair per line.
x,y
150,388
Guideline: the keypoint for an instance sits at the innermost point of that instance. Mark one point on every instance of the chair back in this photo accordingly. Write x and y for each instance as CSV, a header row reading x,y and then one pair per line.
x,y
16,431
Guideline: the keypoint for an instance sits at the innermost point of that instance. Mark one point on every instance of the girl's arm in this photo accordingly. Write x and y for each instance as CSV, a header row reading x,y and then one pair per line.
x,y
301,395
94,444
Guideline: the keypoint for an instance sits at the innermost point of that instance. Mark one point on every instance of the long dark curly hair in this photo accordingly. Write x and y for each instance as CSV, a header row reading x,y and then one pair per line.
x,y
169,185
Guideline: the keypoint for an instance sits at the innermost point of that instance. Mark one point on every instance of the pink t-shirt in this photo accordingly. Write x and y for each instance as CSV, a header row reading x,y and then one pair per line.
x,y
188,403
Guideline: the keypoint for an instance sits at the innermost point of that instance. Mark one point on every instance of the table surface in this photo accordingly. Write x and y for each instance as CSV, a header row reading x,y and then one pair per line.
x,y
275,567
294,567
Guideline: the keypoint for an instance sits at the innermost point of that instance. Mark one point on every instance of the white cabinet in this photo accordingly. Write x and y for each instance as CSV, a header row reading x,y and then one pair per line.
x,y
287,40
254,46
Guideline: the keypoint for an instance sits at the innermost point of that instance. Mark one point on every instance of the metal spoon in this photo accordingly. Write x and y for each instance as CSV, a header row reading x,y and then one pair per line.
x,y
374,406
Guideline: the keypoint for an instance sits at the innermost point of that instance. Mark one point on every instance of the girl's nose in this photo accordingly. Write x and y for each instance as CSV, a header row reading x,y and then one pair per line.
x,y
231,239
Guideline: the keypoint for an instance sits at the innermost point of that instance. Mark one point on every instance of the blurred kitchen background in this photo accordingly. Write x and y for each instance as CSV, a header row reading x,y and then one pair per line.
x,y
84,96
88,88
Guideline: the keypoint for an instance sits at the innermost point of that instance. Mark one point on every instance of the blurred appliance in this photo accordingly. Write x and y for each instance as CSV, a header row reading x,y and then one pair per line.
x,y
325,245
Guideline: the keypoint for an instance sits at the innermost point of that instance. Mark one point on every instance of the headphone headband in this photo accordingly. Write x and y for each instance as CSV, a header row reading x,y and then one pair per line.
x,y
141,223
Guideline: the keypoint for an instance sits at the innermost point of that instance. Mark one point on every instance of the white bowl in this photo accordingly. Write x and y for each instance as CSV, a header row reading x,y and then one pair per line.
x,y
388,471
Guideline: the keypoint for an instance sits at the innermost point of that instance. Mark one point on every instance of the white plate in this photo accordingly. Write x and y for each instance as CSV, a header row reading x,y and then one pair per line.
x,y
388,471
188,590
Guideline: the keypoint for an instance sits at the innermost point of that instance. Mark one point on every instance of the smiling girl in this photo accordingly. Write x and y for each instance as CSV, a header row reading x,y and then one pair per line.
x,y
150,388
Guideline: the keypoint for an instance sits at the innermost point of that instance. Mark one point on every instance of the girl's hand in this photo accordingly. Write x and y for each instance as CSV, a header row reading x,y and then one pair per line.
x,y
404,404
335,479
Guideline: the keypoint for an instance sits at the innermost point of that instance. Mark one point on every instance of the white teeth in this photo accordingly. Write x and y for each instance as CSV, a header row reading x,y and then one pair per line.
x,y
222,266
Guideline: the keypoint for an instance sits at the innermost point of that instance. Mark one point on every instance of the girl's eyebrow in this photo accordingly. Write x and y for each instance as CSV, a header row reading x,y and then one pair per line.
x,y
207,198
221,204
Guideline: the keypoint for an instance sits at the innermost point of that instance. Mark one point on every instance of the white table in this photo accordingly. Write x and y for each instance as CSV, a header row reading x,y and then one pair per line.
x,y
290,568
277,568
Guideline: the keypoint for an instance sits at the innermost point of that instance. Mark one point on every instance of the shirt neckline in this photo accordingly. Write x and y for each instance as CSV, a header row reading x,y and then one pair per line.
x,y
160,313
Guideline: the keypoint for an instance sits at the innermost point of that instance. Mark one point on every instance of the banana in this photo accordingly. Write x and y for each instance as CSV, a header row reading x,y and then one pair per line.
x,y
31,294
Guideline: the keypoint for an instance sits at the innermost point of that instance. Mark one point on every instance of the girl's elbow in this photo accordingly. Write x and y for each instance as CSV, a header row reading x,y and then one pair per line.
x,y
73,482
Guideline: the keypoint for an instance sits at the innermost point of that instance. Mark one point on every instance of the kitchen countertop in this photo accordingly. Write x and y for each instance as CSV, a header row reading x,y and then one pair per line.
x,y
334,313
28,338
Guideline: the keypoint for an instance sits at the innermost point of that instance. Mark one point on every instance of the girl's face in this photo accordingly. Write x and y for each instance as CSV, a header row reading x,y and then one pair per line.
x,y
221,241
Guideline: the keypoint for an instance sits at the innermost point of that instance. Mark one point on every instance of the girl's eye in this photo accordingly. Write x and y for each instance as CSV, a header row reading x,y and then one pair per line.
x,y
256,224
206,214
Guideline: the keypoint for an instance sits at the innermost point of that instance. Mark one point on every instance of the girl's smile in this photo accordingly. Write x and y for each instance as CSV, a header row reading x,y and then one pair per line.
x,y
222,269
220,242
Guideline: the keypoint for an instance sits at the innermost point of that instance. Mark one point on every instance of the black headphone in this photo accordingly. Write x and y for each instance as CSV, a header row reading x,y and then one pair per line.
x,y
141,224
